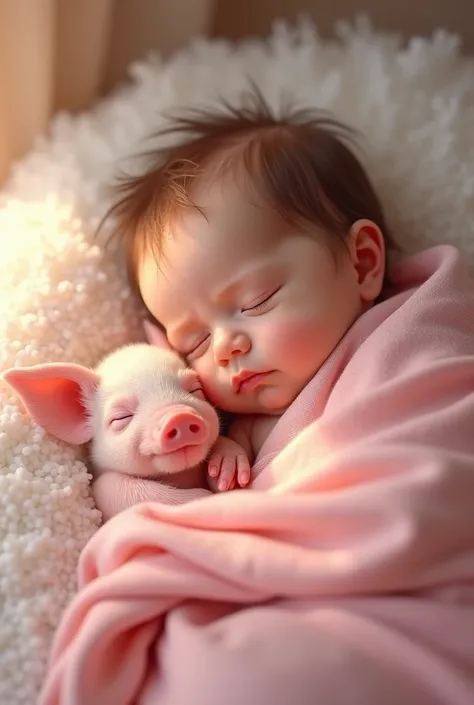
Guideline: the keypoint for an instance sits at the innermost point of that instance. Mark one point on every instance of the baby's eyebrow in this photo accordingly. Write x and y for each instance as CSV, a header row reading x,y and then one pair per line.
x,y
239,281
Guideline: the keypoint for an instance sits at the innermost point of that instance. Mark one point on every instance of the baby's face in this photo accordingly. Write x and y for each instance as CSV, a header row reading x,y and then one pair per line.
x,y
255,307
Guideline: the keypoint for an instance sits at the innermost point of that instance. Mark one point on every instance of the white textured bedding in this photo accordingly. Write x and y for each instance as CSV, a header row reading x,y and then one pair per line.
x,y
63,298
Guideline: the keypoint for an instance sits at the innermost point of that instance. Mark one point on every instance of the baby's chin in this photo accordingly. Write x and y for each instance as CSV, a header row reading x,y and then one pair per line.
x,y
270,401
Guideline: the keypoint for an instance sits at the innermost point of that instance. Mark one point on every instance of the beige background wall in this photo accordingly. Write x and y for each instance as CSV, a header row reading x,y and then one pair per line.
x,y
235,18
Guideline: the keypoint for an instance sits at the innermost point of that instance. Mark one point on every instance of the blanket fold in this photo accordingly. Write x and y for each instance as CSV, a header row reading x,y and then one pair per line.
x,y
345,575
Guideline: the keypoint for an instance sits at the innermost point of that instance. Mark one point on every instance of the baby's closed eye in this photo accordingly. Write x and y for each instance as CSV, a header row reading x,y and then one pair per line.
x,y
261,303
197,348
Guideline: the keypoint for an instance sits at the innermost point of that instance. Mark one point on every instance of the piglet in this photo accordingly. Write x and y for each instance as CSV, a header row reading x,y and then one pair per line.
x,y
150,430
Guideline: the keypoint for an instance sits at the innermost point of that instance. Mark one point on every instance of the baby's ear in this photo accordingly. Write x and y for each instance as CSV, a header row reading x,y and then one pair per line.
x,y
155,336
367,250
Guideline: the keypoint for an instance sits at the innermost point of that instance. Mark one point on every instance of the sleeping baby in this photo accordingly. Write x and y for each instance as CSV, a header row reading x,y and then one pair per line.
x,y
257,242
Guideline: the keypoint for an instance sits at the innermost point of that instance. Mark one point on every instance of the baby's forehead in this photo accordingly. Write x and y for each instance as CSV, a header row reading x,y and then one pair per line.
x,y
235,205
227,228
229,233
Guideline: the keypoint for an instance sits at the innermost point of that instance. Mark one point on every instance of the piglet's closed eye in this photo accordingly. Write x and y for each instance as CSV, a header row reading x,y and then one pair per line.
x,y
55,395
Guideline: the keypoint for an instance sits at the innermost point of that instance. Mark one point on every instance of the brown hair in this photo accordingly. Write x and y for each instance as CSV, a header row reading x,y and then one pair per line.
x,y
298,161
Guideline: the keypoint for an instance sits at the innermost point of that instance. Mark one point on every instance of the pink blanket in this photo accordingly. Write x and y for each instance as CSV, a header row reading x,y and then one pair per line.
x,y
345,576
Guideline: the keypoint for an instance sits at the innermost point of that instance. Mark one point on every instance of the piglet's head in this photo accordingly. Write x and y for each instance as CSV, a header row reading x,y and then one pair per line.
x,y
142,409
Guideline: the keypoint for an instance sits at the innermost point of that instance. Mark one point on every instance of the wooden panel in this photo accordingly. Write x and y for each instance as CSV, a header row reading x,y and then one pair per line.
x,y
141,26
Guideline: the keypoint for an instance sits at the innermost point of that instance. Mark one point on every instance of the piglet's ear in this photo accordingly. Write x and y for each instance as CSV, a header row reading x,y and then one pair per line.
x,y
54,396
155,336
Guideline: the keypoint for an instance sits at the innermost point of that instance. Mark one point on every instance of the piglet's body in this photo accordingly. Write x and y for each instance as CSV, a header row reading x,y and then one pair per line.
x,y
144,414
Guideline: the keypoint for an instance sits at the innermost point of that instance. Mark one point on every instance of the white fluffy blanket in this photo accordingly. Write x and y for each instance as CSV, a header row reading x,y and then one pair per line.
x,y
63,298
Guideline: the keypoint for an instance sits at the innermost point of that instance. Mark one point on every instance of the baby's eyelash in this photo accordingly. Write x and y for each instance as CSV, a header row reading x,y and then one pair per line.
x,y
261,304
196,347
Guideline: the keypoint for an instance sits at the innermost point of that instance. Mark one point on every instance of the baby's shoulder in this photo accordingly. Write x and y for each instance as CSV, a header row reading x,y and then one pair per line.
x,y
421,334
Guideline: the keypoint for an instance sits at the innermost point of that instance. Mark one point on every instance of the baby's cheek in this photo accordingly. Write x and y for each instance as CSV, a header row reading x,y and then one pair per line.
x,y
299,340
207,376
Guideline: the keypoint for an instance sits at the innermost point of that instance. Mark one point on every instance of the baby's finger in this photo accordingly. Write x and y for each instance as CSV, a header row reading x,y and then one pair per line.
x,y
214,465
243,470
227,474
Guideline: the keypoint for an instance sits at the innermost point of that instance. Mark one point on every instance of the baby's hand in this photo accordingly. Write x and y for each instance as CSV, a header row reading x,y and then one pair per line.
x,y
228,464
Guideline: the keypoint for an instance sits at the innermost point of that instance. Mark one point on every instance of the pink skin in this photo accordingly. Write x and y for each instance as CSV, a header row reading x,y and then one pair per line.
x,y
254,306
143,412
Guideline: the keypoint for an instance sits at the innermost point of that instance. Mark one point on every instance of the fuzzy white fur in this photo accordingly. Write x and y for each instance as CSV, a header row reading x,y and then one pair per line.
x,y
62,297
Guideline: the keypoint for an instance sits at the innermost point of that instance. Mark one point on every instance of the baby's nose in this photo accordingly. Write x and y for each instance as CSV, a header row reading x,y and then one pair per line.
x,y
228,346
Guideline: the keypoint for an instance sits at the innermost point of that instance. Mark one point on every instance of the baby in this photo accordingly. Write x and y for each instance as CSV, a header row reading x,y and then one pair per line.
x,y
255,242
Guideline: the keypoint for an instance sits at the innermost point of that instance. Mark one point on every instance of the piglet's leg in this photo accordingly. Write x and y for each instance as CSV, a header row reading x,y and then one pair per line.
x,y
113,492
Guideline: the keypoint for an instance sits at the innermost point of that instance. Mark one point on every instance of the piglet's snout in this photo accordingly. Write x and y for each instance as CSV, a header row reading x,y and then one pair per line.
x,y
175,429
